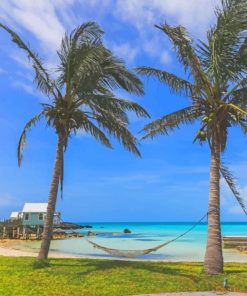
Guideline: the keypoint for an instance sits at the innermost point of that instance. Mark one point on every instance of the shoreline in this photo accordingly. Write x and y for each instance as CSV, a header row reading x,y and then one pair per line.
x,y
7,250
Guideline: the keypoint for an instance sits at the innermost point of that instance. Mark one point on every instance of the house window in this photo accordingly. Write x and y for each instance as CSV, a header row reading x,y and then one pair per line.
x,y
40,216
26,217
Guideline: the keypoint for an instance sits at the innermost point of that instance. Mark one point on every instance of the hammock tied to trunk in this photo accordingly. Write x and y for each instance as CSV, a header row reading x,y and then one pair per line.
x,y
138,253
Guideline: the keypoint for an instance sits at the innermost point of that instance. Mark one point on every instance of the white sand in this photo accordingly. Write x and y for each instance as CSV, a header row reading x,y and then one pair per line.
x,y
7,250
10,248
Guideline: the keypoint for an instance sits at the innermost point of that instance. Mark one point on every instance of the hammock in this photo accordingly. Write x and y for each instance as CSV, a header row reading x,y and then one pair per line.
x,y
127,253
138,253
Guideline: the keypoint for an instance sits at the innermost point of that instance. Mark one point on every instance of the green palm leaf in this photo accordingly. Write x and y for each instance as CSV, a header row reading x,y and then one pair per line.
x,y
183,46
171,121
232,185
224,52
22,140
176,84
42,78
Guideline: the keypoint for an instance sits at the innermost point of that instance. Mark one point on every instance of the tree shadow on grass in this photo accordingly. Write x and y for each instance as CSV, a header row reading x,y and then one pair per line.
x,y
94,265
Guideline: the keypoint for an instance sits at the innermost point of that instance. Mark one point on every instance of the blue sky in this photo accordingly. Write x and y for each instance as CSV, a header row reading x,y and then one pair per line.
x,y
170,182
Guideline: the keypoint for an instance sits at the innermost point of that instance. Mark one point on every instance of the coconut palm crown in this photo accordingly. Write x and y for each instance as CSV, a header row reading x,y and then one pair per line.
x,y
81,99
217,89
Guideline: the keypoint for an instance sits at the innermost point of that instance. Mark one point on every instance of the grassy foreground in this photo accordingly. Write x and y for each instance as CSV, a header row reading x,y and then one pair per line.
x,y
107,277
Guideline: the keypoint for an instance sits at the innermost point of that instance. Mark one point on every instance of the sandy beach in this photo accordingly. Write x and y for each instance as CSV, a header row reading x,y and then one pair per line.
x,y
7,249
14,248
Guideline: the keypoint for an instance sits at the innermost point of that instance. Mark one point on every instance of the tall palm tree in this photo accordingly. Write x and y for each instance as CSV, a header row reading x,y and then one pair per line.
x,y
81,98
217,88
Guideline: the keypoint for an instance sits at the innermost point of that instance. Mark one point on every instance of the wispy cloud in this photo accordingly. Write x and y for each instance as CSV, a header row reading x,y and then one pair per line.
x,y
144,14
38,18
29,88
21,59
125,51
165,58
47,20
188,13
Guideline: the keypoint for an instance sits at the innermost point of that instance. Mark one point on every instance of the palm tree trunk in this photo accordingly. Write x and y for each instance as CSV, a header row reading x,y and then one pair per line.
x,y
47,233
213,261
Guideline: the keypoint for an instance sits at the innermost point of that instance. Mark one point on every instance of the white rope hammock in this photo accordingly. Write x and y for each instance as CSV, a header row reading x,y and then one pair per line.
x,y
138,253
127,253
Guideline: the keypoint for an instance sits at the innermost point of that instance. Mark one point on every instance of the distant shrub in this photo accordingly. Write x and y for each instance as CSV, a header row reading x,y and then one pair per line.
x,y
38,264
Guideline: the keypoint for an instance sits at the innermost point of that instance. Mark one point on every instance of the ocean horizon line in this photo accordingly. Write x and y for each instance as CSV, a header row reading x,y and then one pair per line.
x,y
156,222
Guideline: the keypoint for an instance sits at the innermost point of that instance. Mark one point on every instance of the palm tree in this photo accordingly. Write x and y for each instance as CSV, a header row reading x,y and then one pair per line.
x,y
81,99
217,88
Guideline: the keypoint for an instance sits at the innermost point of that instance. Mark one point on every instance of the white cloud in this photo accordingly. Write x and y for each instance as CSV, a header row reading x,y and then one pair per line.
x,y
43,19
47,20
37,17
194,14
26,87
125,51
165,58
21,59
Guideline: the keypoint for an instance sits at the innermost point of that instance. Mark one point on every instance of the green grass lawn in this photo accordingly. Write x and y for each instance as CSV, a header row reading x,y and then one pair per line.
x,y
107,277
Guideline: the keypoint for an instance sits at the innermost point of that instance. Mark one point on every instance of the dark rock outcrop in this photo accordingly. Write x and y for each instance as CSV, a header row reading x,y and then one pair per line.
x,y
90,233
126,230
69,225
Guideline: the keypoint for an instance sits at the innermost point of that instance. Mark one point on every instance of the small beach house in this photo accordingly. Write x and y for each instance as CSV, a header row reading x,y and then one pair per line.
x,y
33,214
14,216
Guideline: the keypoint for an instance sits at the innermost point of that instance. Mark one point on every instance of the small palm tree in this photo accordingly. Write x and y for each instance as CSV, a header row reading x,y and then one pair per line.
x,y
217,87
81,99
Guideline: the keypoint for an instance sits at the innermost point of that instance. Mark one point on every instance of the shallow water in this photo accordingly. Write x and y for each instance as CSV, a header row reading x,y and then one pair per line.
x,y
143,236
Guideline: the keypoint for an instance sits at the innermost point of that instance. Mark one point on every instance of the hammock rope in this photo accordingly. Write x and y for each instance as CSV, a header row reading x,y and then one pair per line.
x,y
138,253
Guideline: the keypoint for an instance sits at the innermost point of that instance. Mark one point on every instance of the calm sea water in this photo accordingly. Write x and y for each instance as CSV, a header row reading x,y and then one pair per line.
x,y
146,235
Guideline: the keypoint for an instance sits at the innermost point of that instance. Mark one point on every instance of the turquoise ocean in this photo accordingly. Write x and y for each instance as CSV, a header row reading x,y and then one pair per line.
x,y
146,235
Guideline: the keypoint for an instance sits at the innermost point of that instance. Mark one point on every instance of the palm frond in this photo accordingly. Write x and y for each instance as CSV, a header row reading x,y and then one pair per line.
x,y
116,75
80,70
235,107
239,97
81,50
225,40
176,84
115,105
237,91
241,58
85,125
42,78
89,32
119,130
22,140
230,180
186,53
169,122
